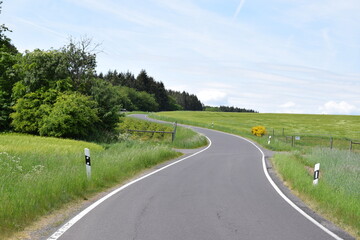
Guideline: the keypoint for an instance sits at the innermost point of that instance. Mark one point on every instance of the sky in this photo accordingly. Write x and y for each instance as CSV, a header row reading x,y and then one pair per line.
x,y
272,56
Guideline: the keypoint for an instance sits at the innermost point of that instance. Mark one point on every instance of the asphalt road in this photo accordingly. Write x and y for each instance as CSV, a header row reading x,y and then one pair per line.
x,y
220,193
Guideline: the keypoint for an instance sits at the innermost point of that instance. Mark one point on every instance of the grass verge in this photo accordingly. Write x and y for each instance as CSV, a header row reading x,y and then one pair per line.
x,y
39,175
337,195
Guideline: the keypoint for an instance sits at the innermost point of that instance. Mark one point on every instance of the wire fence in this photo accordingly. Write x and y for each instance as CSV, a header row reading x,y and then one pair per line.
x,y
319,140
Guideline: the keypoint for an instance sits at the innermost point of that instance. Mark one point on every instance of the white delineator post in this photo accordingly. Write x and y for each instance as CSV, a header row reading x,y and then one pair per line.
x,y
88,163
316,173
269,140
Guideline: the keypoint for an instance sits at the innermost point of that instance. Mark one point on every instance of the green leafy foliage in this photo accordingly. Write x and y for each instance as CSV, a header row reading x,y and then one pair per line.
x,y
30,110
8,57
138,101
41,70
5,111
73,115
52,113
109,101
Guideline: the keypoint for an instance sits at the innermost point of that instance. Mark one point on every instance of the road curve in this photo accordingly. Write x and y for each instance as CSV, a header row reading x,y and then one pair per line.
x,y
220,193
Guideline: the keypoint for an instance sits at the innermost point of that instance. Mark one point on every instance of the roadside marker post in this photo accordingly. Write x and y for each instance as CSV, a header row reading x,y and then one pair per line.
x,y
316,173
87,163
269,140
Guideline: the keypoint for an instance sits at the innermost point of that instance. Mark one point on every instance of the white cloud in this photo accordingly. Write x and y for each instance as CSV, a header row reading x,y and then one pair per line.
x,y
213,97
333,107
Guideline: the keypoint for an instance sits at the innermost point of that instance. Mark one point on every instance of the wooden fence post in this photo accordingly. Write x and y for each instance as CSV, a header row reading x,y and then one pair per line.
x,y
331,142
174,132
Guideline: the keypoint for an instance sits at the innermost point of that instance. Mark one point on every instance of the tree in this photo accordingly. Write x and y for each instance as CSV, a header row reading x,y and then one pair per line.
x,y
173,106
8,57
228,109
109,100
8,78
149,85
139,101
81,62
186,101
43,70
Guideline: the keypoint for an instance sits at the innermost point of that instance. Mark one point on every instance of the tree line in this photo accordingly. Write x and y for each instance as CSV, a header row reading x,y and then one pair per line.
x,y
167,100
228,109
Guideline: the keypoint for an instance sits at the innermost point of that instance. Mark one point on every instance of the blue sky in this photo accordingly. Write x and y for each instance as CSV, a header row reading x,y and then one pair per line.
x,y
294,56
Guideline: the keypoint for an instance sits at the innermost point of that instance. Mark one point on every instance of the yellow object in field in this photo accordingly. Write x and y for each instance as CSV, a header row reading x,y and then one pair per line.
x,y
258,131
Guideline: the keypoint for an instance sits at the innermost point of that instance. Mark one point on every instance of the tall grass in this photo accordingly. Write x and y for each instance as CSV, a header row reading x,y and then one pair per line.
x,y
186,138
338,193
340,169
39,175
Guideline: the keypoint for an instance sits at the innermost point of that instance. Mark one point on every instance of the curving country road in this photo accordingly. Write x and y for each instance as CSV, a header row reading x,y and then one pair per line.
x,y
219,193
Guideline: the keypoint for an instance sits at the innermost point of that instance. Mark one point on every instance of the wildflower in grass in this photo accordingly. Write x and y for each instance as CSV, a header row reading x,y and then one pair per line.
x,y
10,164
37,169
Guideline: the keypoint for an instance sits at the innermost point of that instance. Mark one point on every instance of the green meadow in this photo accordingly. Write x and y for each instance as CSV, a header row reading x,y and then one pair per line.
x,y
40,174
337,195
313,130
336,125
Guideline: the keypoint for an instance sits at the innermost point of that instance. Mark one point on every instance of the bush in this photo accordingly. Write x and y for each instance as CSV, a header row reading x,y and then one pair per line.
x,y
30,110
73,115
258,131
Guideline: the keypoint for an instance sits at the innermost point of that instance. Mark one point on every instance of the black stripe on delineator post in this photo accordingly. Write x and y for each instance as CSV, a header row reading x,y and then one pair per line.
x,y
87,162
316,173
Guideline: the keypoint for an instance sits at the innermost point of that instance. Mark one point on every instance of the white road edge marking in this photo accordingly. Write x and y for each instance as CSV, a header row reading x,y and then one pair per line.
x,y
70,223
277,189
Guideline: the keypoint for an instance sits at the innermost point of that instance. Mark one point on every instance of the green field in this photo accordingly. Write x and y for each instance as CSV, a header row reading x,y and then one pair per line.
x,y
338,194
39,174
313,129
